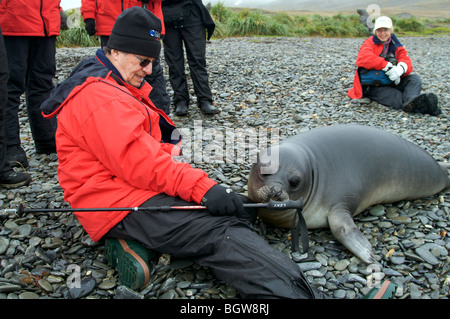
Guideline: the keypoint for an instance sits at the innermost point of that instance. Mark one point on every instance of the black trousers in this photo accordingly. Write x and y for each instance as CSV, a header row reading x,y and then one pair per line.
x,y
227,245
32,67
4,166
396,96
194,39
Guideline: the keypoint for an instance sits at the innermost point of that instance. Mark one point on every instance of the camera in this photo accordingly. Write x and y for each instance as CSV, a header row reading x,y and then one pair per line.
x,y
390,57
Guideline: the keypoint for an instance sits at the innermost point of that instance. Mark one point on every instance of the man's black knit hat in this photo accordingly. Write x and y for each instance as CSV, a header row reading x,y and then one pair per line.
x,y
137,31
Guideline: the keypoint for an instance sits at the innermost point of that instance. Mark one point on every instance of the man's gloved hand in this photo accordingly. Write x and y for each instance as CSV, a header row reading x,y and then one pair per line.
x,y
222,201
396,72
90,26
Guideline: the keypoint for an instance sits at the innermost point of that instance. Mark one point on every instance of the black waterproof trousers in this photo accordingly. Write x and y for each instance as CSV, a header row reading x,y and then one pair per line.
x,y
397,96
227,245
4,166
32,67
191,34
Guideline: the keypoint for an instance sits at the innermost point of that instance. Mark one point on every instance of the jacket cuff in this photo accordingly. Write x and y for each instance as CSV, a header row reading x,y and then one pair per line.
x,y
201,187
404,66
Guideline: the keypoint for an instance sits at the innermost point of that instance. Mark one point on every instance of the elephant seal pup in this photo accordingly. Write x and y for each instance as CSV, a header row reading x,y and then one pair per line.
x,y
339,171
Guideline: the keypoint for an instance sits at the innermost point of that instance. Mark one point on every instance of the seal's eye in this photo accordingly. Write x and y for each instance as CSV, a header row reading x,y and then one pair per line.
x,y
294,182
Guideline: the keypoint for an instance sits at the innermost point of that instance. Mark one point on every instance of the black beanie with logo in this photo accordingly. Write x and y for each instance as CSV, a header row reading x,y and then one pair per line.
x,y
138,31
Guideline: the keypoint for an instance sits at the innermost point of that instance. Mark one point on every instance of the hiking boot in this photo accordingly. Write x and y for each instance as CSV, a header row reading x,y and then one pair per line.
x,y
131,261
424,104
207,108
16,156
433,108
181,108
12,179
385,291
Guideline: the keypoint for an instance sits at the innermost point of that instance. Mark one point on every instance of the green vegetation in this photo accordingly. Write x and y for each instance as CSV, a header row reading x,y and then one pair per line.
x,y
249,22
76,36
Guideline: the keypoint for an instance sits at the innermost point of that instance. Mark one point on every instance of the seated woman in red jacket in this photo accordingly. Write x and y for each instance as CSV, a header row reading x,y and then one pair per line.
x,y
399,89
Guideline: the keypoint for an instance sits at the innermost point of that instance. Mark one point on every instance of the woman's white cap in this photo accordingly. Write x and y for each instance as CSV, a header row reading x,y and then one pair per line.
x,y
383,22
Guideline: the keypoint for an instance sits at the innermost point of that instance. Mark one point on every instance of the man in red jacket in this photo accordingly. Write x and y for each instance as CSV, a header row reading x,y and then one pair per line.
x,y
30,28
384,52
115,149
99,17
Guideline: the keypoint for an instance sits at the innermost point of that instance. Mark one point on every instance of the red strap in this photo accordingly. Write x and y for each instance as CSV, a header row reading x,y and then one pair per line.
x,y
382,290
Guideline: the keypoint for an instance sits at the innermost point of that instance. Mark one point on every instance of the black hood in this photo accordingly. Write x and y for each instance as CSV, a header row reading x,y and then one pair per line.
x,y
89,67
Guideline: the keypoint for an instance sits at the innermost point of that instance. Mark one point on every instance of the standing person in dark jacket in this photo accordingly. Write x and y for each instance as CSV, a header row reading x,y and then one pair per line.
x,y
8,177
99,17
384,52
30,28
185,22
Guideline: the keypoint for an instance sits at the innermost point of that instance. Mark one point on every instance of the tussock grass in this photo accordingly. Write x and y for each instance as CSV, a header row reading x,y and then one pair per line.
x,y
252,22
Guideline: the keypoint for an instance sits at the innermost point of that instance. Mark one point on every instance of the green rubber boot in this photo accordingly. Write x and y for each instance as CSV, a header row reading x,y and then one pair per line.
x,y
131,260
386,291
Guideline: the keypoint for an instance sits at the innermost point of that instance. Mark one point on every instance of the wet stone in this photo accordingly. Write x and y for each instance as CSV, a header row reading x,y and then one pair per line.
x,y
28,295
81,289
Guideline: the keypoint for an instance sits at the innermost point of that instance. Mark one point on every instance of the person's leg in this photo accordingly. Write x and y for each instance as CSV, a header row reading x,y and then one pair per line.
x,y
39,84
17,49
174,57
228,245
195,44
8,177
410,86
388,96
4,166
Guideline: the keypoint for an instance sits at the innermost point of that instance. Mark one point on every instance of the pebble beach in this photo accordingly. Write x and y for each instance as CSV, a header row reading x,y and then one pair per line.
x,y
266,90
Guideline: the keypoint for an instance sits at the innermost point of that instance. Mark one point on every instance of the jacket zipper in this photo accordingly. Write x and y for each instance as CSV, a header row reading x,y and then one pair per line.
x,y
246,250
43,21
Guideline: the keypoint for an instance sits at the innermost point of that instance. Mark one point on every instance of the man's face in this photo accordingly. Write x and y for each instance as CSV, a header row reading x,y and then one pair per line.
x,y
130,66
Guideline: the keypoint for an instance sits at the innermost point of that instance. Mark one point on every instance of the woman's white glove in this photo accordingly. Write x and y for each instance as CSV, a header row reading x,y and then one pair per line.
x,y
388,66
396,72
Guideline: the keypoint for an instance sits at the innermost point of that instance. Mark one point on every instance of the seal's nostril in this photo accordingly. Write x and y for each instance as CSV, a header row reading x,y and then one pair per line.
x,y
276,191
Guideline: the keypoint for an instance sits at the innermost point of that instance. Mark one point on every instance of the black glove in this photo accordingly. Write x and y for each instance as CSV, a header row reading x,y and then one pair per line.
x,y
90,26
222,201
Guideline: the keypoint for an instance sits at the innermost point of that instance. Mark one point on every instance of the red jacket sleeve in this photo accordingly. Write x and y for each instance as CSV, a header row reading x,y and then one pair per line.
x,y
88,9
402,56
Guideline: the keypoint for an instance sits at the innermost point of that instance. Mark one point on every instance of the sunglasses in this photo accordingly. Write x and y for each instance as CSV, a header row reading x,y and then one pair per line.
x,y
145,62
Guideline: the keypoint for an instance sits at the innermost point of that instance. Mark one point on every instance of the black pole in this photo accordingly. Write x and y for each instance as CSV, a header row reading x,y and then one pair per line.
x,y
271,205
298,222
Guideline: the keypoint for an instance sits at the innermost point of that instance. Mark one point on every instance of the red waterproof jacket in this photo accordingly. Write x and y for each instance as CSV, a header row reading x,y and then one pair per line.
x,y
369,58
111,150
33,18
105,12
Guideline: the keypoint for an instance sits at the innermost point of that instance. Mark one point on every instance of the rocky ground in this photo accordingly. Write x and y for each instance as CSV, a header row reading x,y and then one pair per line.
x,y
260,85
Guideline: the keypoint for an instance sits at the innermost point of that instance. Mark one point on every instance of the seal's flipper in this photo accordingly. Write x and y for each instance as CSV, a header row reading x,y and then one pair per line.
x,y
344,229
